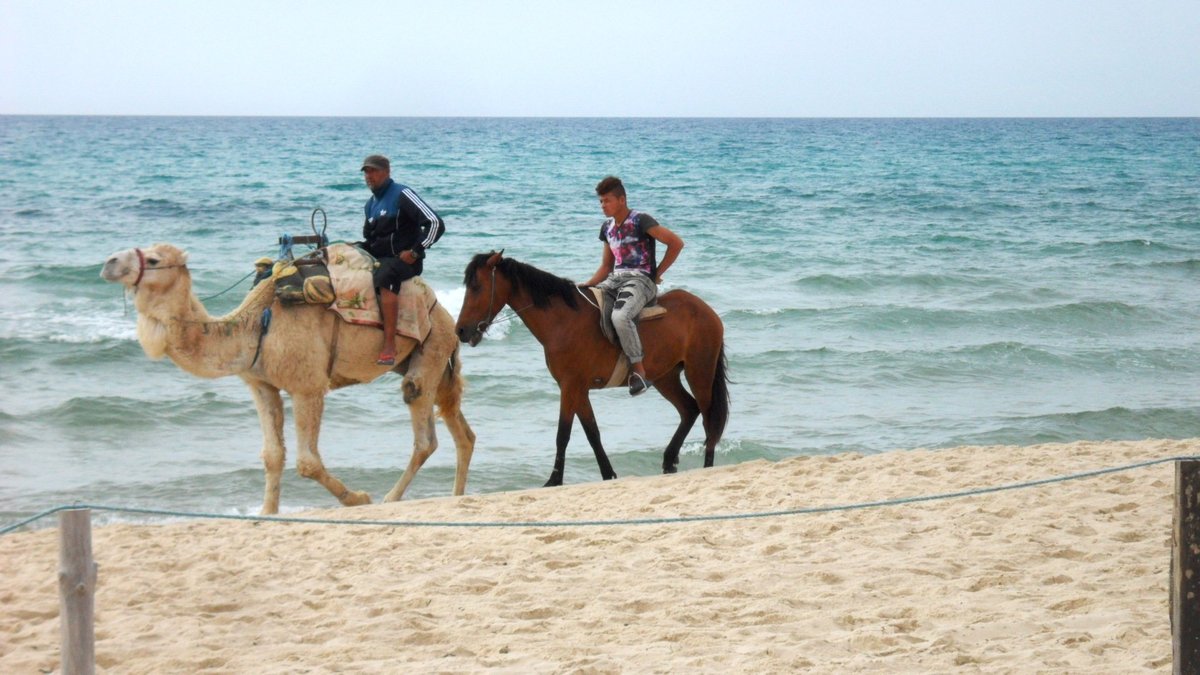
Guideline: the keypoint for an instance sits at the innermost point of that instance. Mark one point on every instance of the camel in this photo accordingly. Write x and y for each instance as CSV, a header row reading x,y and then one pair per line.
x,y
306,351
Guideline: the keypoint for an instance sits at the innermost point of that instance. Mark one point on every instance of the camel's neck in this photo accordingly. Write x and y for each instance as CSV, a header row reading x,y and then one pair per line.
x,y
175,323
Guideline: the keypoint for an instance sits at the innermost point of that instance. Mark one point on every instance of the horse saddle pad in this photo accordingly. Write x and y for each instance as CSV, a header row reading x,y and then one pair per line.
x,y
341,279
606,300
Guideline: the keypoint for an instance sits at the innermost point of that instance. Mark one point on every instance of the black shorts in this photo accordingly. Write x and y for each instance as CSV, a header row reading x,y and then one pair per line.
x,y
394,271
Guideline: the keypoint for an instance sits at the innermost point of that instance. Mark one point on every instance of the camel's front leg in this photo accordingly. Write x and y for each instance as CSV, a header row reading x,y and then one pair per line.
x,y
270,418
308,409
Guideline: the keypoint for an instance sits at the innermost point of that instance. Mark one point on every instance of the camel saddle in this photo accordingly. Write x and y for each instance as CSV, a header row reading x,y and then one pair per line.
x,y
340,277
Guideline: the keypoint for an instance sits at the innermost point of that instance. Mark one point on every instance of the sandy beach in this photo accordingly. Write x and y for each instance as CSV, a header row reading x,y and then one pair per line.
x,y
1065,577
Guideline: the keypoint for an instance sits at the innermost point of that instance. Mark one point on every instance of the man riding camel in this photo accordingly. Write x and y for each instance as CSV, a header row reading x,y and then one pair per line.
x,y
398,229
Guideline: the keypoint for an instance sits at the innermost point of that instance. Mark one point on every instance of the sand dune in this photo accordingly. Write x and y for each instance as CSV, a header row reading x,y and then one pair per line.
x,y
1066,577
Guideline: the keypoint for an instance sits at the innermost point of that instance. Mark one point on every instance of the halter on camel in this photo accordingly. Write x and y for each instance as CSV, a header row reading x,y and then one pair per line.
x,y
142,267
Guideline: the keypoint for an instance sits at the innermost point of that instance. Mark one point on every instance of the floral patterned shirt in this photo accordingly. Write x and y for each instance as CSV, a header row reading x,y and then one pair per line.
x,y
632,248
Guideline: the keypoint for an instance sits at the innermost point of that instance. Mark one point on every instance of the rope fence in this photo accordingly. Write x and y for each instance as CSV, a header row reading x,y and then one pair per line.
x,y
598,523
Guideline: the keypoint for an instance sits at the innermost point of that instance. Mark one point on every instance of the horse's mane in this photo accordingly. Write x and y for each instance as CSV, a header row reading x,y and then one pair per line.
x,y
542,286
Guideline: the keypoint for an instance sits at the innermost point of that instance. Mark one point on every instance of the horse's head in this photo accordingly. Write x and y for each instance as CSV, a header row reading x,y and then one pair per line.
x,y
155,267
487,292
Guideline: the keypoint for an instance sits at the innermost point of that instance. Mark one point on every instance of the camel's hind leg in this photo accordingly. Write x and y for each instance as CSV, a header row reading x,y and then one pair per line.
x,y
418,388
308,409
434,375
449,404
672,389
270,418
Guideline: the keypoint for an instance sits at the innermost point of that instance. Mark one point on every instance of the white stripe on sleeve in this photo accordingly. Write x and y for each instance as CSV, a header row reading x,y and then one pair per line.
x,y
433,219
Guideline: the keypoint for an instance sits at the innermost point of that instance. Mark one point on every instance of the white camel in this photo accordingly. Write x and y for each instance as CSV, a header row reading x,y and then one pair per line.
x,y
307,351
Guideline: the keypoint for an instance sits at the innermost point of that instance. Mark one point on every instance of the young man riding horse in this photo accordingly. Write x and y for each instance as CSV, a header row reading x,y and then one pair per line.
x,y
628,268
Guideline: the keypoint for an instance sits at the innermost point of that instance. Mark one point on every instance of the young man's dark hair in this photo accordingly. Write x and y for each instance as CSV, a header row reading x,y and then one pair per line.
x,y
610,185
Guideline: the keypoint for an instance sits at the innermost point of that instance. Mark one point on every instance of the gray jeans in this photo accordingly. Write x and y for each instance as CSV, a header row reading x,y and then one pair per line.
x,y
634,291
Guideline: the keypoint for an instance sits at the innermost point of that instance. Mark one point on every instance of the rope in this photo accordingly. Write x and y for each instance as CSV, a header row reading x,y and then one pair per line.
x,y
602,523
235,285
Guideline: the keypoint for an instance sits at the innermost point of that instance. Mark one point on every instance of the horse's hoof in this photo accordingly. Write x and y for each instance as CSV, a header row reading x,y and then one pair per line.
x,y
670,469
555,480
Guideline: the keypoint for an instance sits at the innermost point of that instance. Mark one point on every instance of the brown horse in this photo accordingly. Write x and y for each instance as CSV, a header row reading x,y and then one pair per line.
x,y
687,340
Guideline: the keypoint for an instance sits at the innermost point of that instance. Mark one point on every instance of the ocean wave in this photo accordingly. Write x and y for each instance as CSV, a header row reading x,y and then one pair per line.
x,y
878,281
1188,266
119,412
57,275
999,362
157,207
1114,424
1110,248
1071,316
78,323
889,317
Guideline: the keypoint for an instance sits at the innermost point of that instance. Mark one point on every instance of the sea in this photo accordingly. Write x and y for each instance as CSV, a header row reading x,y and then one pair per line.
x,y
885,284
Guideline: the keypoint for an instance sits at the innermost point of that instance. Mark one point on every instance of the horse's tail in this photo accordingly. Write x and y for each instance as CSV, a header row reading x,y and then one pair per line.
x,y
450,390
718,408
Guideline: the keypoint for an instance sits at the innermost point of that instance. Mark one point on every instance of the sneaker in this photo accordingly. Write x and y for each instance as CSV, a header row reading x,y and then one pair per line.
x,y
637,384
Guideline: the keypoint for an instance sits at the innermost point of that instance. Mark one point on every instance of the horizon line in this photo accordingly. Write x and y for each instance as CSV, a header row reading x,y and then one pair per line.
x,y
608,117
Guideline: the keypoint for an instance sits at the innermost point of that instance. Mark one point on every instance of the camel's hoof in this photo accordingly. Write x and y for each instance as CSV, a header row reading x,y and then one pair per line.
x,y
357,499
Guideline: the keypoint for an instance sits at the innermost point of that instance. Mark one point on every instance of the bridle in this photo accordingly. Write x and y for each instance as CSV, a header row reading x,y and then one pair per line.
x,y
142,267
483,325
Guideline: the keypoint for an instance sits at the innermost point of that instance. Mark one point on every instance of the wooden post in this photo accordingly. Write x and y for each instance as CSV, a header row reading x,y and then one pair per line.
x,y
77,592
1185,570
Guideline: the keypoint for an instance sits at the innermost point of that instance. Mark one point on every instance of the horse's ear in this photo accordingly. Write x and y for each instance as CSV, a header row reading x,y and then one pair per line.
x,y
496,258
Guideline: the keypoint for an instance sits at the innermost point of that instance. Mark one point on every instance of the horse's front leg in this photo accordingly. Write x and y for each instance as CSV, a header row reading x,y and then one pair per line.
x,y
270,418
587,419
566,419
308,409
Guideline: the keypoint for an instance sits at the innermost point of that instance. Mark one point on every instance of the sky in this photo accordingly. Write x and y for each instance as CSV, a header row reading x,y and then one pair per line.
x,y
697,58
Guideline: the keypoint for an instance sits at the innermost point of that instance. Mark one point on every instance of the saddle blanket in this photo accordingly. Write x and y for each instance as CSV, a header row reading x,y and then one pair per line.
x,y
351,268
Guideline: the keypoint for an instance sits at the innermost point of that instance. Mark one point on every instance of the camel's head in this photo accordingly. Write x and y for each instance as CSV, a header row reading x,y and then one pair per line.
x,y
155,267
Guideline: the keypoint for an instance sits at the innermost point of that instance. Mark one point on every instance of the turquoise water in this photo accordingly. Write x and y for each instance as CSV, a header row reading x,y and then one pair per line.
x,y
885,284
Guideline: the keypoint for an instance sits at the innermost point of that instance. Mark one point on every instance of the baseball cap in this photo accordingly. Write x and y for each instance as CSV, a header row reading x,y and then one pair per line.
x,y
376,162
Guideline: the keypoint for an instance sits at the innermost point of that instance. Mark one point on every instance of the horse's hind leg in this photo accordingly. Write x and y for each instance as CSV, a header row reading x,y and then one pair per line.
x,y
672,389
701,379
